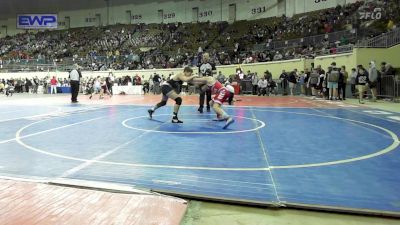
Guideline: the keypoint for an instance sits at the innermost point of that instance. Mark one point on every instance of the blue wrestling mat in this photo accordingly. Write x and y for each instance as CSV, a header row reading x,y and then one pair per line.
x,y
344,159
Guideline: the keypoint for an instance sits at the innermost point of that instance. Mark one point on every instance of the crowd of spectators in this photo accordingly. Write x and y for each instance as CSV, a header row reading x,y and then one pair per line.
x,y
325,83
329,84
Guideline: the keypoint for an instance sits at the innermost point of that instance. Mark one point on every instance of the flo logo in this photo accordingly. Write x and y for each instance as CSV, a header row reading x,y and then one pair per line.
x,y
376,14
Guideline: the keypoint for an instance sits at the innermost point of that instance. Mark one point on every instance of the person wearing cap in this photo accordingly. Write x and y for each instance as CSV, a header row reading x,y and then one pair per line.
x,y
74,77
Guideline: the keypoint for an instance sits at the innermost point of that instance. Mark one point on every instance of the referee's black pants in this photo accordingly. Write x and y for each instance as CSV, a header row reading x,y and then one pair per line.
x,y
74,90
202,98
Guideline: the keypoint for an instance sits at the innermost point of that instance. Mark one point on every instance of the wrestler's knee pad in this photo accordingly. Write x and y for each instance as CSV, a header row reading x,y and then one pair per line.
x,y
178,101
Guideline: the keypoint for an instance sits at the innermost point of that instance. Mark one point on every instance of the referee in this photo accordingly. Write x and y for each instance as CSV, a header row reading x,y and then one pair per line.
x,y
206,69
74,76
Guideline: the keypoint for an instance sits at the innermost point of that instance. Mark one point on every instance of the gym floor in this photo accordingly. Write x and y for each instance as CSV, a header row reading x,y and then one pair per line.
x,y
281,151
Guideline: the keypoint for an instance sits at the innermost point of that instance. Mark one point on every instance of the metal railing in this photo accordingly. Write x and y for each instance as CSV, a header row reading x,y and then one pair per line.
x,y
338,50
350,35
29,65
385,40
388,87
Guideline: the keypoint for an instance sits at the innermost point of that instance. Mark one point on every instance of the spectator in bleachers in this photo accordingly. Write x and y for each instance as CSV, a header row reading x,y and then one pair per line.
x,y
278,56
102,48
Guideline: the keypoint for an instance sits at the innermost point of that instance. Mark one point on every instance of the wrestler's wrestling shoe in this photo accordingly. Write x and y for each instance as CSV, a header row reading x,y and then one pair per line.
x,y
219,119
150,111
229,121
176,120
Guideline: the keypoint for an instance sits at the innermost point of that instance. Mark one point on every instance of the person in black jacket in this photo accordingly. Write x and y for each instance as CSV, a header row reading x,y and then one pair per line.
x,y
283,79
387,69
307,74
110,82
292,81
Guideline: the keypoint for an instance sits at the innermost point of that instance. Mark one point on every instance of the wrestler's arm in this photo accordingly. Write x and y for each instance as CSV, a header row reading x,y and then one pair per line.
x,y
184,78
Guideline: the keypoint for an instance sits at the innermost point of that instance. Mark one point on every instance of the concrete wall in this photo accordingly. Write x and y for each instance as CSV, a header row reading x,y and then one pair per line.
x,y
348,59
362,56
390,55
274,67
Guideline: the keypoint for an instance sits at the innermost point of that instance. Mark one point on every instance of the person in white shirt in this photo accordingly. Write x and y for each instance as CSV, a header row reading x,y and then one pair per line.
x,y
96,87
75,76
254,82
262,86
